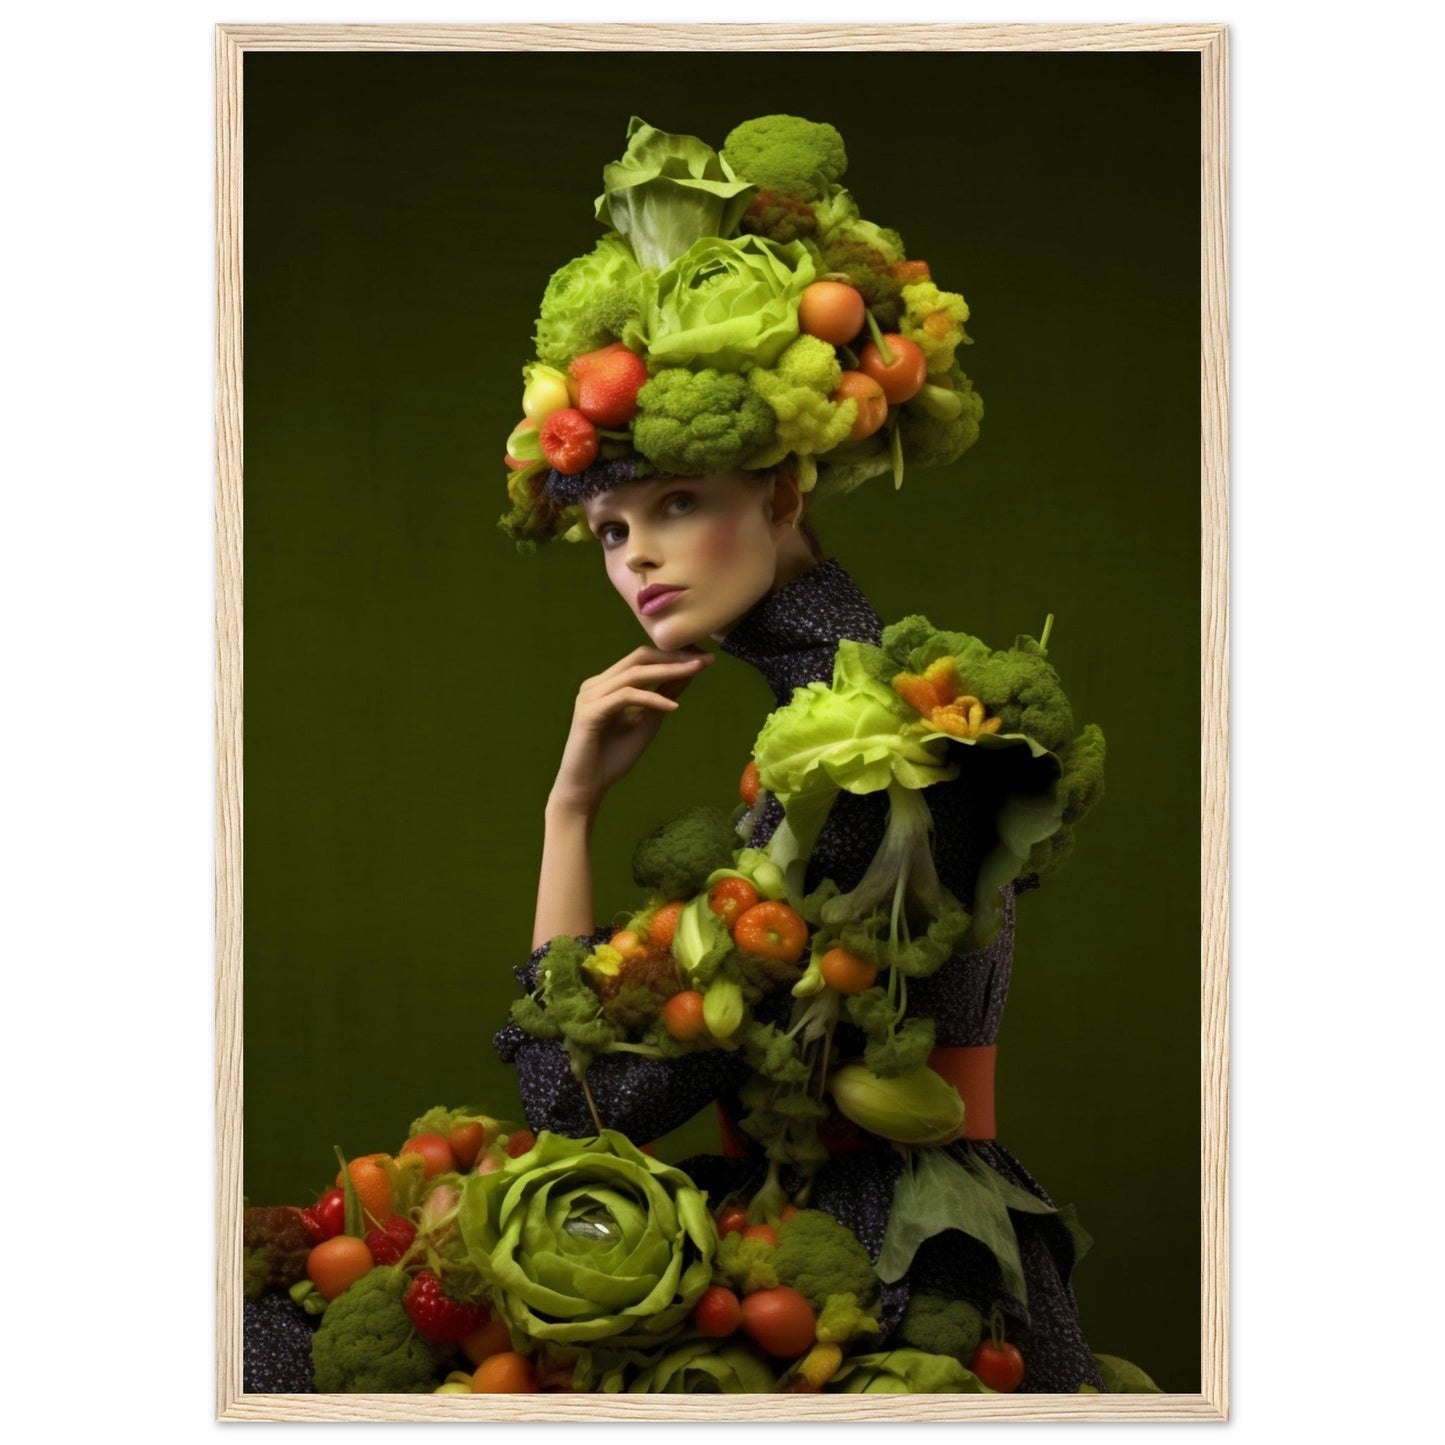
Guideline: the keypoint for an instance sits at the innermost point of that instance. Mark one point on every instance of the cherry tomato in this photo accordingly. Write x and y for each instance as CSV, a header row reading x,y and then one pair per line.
x,y
734,1216
507,1373
905,377
466,1142
330,1213
832,311
434,1150
491,1339
845,972
682,1015
337,1264
765,1232
661,930
788,1211
748,785
1000,1367
872,404
731,897
523,1141
718,1313
779,1321
772,930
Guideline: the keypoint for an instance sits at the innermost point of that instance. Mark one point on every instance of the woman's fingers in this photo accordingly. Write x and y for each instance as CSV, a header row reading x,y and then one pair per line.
x,y
639,673
608,704
649,655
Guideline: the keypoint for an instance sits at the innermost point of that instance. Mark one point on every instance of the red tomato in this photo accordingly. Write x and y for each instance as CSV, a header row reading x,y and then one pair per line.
x,y
434,1150
1000,1367
902,380
718,1313
466,1142
682,1015
523,1141
765,1232
772,930
730,897
779,1321
330,1213
734,1216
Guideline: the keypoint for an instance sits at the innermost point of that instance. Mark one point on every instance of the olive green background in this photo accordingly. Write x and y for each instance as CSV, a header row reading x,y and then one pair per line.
x,y
409,679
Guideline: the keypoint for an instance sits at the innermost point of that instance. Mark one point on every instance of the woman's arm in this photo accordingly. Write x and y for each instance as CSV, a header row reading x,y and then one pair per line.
x,y
617,714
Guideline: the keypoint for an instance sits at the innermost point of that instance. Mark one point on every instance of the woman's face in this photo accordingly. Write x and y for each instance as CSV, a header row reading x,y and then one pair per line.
x,y
689,555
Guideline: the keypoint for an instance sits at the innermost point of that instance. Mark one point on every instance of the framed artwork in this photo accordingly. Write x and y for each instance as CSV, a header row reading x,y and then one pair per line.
x,y
391,203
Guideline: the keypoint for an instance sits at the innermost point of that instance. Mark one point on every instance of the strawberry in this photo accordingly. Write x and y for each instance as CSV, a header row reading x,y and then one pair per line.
x,y
607,384
569,441
392,1240
436,1317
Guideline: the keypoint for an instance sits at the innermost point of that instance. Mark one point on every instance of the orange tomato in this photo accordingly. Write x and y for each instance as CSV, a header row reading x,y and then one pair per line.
x,y
905,377
909,271
436,1154
336,1264
764,1232
872,404
729,898
749,784
492,1339
772,930
506,1373
845,972
661,930
832,311
373,1188
788,1211
682,1015
627,942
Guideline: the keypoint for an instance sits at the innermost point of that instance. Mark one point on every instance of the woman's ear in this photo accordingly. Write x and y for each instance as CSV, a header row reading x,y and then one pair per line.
x,y
787,504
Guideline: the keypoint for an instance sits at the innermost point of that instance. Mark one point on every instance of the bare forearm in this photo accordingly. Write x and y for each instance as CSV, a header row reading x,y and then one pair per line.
x,y
564,890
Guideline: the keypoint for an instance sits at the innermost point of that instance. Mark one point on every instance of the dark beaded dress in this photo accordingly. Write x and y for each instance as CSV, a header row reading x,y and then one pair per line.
x,y
791,637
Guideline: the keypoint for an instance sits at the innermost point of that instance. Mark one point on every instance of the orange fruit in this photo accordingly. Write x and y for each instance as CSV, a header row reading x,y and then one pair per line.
x,y
336,1264
663,927
872,404
772,930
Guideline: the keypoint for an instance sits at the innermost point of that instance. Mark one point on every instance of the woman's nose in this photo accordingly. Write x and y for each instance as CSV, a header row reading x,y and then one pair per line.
x,y
641,554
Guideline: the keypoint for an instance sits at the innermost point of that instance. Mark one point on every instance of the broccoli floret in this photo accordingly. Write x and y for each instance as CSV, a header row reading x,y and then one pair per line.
x,y
934,320
934,431
590,302
819,1257
367,1345
675,859
941,1325
1081,786
843,1319
569,1009
787,153
778,217
866,266
694,423
276,1245
798,391
746,1264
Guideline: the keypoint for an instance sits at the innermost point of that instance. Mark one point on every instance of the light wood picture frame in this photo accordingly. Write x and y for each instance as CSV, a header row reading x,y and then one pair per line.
x,y
1210,43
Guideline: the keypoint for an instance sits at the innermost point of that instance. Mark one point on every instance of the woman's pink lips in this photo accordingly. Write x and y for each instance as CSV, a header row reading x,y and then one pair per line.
x,y
654,599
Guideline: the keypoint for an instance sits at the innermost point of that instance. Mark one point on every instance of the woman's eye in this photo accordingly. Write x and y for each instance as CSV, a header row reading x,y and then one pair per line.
x,y
610,534
681,502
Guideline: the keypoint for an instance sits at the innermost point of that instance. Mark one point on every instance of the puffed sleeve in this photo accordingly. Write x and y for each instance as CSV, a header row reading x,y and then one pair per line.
x,y
641,1097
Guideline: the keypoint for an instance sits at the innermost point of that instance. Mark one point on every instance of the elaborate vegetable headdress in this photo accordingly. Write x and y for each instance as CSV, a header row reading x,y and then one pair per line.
x,y
739,312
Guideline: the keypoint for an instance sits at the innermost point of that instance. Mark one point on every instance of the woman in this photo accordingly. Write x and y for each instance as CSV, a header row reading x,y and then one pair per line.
x,y
725,557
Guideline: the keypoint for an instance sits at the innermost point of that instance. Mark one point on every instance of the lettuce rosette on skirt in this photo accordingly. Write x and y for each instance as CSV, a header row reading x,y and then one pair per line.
x,y
590,1241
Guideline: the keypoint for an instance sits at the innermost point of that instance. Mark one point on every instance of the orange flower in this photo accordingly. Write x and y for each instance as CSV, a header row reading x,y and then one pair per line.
x,y
937,693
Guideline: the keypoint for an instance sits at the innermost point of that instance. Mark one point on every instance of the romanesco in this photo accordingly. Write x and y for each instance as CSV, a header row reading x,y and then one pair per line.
x,y
934,319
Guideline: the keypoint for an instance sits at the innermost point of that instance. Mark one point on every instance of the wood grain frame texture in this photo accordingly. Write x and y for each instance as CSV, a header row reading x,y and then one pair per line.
x,y
1211,44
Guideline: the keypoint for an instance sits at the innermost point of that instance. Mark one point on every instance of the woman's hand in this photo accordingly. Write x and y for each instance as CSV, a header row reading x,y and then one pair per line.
x,y
617,715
